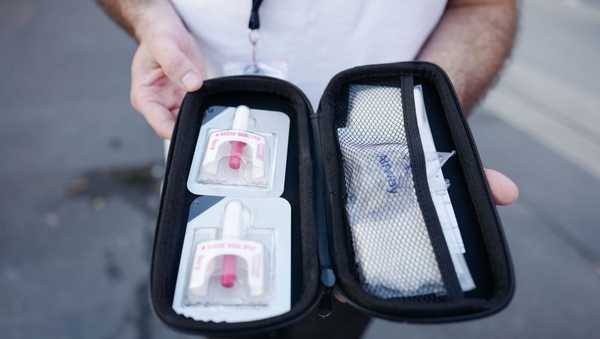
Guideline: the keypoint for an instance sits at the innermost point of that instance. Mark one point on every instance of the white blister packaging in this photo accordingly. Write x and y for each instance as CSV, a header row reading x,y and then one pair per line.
x,y
240,152
236,260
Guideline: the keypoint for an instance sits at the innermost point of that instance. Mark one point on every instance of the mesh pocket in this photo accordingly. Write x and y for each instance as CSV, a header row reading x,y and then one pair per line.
x,y
393,251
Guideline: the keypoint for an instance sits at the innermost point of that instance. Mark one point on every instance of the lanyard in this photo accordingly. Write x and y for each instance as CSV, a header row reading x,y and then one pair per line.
x,y
254,22
253,35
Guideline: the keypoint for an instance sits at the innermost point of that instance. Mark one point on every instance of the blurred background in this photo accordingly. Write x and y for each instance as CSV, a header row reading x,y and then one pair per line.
x,y
80,174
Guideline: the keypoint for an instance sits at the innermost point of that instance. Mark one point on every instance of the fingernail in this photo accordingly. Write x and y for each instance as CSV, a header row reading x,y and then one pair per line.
x,y
191,81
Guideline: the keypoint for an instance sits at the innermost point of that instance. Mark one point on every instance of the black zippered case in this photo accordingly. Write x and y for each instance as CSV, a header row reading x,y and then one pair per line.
x,y
322,252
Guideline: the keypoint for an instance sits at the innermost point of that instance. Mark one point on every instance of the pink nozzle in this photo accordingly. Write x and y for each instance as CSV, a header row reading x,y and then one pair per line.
x,y
228,275
237,149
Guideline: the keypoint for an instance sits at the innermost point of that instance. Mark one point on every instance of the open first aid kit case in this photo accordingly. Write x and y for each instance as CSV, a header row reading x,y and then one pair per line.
x,y
269,208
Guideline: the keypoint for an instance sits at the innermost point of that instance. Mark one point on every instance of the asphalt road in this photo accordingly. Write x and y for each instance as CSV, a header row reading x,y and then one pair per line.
x,y
80,174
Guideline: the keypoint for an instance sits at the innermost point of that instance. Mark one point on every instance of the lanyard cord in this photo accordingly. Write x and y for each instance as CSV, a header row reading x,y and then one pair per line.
x,y
254,22
254,25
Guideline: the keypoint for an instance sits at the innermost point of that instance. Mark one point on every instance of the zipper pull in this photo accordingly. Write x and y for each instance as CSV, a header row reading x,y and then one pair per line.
x,y
326,304
327,277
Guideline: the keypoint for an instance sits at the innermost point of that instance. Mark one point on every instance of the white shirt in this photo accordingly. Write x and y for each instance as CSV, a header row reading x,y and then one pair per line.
x,y
315,39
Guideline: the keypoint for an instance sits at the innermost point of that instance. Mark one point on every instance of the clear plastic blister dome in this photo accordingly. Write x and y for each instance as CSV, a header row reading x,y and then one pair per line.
x,y
235,261
240,151
231,265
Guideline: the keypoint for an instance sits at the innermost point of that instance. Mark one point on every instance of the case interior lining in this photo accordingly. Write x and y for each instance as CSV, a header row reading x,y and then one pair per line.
x,y
423,194
480,228
266,94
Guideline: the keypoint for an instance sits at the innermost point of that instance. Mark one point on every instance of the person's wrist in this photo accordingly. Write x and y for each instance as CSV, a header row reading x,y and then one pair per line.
x,y
157,19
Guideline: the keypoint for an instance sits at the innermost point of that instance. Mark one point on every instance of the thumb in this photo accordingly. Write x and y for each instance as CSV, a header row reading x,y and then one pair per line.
x,y
180,62
504,190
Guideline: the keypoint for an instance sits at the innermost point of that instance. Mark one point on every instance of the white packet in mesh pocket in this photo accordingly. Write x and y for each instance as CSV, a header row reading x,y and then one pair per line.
x,y
392,248
393,252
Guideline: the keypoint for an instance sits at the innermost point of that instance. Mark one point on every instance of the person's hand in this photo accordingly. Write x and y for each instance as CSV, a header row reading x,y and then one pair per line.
x,y
504,190
166,65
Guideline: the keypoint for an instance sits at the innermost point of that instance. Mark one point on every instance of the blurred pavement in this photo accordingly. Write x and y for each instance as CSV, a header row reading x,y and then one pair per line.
x,y
80,173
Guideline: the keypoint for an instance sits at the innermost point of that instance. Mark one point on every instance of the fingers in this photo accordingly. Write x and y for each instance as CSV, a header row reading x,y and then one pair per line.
x,y
179,61
153,94
504,190
159,118
145,100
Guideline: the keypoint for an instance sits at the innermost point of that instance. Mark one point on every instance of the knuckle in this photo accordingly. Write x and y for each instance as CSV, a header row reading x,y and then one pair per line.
x,y
174,62
184,43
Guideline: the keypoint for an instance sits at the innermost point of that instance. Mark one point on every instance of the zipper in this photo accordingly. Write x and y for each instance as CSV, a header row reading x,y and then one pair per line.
x,y
327,275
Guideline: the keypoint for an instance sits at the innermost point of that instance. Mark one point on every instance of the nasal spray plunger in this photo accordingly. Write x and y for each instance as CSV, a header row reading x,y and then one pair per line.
x,y
231,248
240,123
227,149
232,225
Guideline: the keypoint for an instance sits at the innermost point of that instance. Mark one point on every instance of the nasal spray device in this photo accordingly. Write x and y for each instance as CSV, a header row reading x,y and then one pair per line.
x,y
236,258
240,151
236,156
232,226
240,123
231,249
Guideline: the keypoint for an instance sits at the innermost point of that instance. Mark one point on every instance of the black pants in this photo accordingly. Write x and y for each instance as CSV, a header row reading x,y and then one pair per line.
x,y
344,322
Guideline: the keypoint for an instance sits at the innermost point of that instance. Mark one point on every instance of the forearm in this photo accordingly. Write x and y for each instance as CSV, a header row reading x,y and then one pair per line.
x,y
137,17
471,42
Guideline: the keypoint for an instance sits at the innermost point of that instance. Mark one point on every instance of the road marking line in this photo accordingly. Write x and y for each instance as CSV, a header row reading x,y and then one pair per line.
x,y
543,127
573,106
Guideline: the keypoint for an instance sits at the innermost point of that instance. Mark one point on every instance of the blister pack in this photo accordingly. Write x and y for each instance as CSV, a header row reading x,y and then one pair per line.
x,y
235,260
240,151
